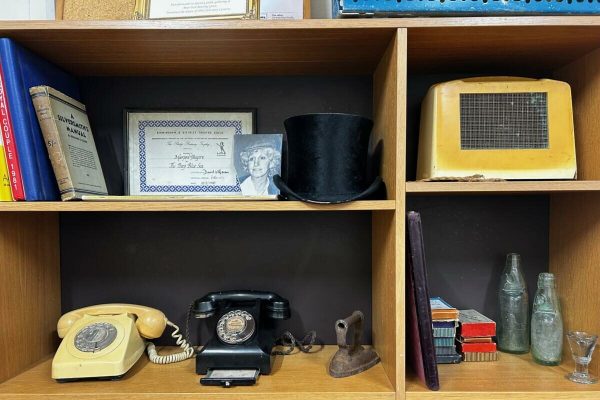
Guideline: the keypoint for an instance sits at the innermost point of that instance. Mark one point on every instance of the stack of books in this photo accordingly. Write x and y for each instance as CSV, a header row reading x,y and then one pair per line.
x,y
444,320
26,161
47,151
476,337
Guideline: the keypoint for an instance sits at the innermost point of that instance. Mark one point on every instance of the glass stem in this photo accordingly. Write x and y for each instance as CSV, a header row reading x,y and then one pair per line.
x,y
581,368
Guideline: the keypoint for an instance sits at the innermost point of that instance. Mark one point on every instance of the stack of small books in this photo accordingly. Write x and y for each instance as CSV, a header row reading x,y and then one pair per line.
x,y
444,320
476,333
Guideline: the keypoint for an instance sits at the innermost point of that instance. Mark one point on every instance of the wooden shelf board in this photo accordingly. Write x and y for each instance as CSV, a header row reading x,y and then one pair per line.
x,y
564,20
193,48
507,187
479,48
298,376
512,376
84,206
346,46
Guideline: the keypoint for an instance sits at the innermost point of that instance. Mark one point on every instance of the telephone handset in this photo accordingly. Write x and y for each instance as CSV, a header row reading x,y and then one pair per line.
x,y
105,341
244,333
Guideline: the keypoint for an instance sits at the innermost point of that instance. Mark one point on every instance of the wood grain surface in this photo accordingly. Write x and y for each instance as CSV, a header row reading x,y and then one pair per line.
x,y
512,376
400,220
574,259
584,77
297,376
210,206
123,49
388,86
29,289
506,187
508,50
348,46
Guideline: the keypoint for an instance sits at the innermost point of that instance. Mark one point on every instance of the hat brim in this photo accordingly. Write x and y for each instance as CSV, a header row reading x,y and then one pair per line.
x,y
328,199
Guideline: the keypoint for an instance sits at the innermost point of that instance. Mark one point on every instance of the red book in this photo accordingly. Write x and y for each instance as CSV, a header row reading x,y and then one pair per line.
x,y
10,148
474,324
476,339
477,347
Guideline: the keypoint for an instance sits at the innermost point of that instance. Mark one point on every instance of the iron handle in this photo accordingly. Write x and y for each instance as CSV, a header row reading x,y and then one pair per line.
x,y
342,326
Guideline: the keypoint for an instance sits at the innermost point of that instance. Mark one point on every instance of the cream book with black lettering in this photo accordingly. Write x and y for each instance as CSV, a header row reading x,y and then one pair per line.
x,y
68,136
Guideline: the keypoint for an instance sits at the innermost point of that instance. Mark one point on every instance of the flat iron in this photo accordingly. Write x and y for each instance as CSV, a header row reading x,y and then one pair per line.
x,y
351,359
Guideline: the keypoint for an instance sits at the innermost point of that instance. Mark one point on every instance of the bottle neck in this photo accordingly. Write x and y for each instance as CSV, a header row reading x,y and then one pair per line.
x,y
546,298
546,281
512,276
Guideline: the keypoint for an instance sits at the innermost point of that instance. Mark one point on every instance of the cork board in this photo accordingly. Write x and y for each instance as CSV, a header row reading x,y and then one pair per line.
x,y
98,10
111,9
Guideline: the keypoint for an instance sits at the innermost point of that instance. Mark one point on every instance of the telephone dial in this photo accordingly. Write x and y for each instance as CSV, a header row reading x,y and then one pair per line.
x,y
106,340
243,335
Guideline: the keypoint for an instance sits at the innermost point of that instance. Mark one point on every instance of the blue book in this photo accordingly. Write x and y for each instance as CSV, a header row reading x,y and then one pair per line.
x,y
443,341
22,69
445,324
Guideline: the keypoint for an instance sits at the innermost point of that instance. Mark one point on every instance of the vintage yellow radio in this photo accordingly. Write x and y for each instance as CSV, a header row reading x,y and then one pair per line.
x,y
497,127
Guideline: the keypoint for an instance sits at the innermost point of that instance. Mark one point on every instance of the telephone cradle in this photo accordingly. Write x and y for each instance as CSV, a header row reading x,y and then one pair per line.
x,y
244,331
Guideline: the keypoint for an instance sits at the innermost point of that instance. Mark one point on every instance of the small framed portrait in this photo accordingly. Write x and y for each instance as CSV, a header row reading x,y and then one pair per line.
x,y
184,152
257,159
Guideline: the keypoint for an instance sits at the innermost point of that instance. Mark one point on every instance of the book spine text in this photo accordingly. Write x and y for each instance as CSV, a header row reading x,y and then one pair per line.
x,y
43,110
5,192
10,148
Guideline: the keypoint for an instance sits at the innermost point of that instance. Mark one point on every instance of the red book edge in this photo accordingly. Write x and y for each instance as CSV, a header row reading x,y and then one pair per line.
x,y
10,149
478,329
478,347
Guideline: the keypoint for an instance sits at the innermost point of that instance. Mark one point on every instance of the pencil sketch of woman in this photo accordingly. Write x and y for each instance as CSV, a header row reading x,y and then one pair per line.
x,y
261,160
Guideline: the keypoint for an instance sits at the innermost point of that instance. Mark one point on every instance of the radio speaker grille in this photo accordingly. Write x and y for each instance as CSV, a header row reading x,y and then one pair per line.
x,y
503,121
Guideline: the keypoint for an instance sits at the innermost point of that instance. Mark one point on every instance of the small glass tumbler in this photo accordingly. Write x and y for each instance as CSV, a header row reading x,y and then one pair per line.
x,y
582,346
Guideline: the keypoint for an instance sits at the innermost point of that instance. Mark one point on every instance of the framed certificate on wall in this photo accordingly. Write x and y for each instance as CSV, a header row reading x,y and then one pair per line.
x,y
196,9
183,152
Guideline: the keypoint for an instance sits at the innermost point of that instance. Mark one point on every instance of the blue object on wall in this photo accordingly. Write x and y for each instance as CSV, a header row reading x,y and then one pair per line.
x,y
399,8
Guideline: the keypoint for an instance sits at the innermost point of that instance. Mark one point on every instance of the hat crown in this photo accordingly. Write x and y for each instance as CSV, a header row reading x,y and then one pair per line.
x,y
327,155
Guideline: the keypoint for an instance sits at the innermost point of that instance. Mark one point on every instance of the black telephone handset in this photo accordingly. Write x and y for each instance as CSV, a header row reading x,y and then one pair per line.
x,y
244,334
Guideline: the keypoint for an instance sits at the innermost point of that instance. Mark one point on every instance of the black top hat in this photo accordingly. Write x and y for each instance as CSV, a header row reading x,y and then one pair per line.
x,y
327,159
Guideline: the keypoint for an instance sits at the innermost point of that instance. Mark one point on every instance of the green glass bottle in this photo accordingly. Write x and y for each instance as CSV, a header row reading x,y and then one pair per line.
x,y
513,299
546,322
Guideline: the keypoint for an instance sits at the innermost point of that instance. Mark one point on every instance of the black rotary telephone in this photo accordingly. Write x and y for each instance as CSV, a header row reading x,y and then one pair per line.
x,y
243,338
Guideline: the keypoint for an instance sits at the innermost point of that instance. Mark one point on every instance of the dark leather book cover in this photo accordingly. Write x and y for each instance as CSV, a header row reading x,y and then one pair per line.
x,y
420,349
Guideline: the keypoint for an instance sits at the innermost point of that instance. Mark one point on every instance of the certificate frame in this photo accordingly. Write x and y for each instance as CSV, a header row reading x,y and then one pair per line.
x,y
137,163
144,10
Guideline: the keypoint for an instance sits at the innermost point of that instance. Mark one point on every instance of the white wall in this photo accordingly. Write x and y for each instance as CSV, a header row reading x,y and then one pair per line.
x,y
26,9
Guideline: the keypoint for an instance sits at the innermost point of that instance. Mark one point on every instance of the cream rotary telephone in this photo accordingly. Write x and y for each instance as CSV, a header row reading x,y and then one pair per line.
x,y
106,340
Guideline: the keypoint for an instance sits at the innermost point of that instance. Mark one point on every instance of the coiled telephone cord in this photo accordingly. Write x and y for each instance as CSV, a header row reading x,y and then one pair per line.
x,y
188,351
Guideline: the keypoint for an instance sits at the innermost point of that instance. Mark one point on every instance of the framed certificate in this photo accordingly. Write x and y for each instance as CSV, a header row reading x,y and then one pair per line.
x,y
183,152
196,9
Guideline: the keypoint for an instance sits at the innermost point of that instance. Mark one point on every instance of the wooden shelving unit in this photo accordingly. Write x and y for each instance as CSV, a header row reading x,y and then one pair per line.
x,y
390,52
175,49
